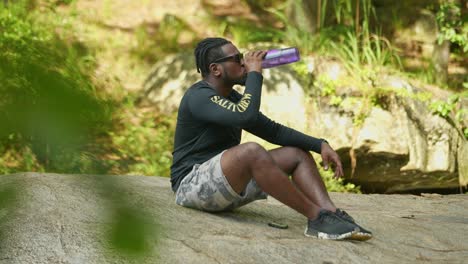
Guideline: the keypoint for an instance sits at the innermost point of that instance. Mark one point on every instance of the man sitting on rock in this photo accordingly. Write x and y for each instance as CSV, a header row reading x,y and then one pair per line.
x,y
213,172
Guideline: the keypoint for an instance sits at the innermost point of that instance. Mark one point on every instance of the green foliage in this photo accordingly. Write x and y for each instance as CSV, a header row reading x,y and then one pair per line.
x,y
343,11
128,233
54,119
425,75
145,144
336,100
169,36
327,88
365,56
442,108
337,185
293,35
52,114
345,34
15,157
8,201
242,33
262,4
359,118
8,195
326,85
302,70
66,2
131,228
452,111
451,26
49,104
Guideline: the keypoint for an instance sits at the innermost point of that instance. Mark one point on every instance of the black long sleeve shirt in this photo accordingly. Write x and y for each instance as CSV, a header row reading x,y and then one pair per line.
x,y
208,123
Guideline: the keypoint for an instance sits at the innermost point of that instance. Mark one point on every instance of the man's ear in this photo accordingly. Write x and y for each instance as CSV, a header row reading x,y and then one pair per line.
x,y
215,69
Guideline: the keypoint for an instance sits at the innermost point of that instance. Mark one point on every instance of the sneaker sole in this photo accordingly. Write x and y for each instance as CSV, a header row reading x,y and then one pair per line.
x,y
360,236
321,235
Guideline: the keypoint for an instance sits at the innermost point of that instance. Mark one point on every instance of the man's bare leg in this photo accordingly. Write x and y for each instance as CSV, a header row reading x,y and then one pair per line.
x,y
301,165
250,160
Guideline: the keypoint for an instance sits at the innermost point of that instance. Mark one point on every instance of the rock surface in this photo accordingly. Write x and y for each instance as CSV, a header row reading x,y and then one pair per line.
x,y
63,218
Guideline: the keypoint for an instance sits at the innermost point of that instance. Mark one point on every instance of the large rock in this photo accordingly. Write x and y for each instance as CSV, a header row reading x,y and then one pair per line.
x,y
401,146
63,219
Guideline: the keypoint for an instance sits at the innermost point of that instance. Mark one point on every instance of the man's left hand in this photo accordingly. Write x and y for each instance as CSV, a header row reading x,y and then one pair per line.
x,y
329,155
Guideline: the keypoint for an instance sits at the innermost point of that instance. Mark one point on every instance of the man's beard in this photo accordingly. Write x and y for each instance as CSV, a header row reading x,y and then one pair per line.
x,y
241,80
233,81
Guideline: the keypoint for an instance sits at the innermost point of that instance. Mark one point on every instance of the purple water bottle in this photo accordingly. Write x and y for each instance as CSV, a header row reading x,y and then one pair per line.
x,y
276,57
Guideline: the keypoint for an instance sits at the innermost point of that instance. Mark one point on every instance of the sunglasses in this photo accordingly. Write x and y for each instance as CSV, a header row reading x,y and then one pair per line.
x,y
237,58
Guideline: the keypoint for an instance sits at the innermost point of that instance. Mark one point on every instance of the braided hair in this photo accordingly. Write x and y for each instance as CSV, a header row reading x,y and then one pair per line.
x,y
207,51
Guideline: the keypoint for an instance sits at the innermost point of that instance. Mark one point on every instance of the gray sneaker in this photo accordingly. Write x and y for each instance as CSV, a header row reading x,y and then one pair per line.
x,y
329,226
362,234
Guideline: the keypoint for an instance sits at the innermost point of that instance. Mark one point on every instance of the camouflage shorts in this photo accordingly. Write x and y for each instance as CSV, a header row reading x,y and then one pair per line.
x,y
206,188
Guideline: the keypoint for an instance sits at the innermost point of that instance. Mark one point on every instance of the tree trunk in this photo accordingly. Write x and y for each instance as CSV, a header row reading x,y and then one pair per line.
x,y
303,14
441,53
440,60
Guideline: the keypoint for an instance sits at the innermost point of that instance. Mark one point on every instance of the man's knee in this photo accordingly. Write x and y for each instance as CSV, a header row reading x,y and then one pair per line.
x,y
253,151
297,153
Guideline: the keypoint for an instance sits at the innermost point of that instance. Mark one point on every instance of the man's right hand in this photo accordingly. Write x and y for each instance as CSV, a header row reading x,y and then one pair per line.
x,y
253,60
329,155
